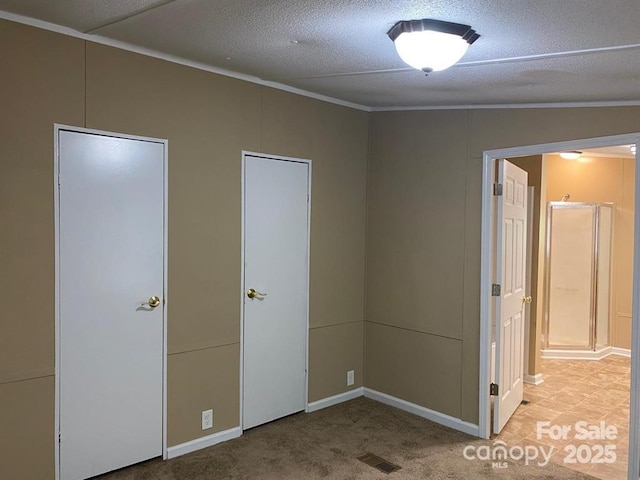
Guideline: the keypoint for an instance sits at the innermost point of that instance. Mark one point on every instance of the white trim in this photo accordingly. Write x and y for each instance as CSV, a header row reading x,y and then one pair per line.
x,y
493,106
486,341
335,400
306,346
203,442
584,143
634,418
585,354
56,199
623,352
486,261
165,318
533,379
432,415
56,310
105,133
560,354
241,291
173,59
592,154
246,153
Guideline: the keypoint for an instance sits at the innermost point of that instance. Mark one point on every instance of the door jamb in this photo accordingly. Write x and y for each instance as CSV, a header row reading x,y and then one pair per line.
x,y
487,260
245,154
57,128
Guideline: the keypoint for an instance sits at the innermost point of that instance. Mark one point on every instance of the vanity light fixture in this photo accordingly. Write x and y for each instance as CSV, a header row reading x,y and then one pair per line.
x,y
431,45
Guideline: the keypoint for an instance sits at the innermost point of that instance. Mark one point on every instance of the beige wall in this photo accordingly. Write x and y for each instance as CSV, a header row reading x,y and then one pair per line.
x,y
42,83
596,180
415,257
423,238
208,119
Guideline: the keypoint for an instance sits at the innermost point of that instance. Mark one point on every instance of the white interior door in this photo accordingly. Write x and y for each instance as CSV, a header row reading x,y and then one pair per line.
x,y
111,261
276,229
511,274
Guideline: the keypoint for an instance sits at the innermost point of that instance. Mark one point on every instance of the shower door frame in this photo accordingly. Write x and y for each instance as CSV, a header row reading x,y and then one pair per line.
x,y
593,294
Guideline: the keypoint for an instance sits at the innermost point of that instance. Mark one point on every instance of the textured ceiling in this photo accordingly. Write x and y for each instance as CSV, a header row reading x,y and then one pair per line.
x,y
574,50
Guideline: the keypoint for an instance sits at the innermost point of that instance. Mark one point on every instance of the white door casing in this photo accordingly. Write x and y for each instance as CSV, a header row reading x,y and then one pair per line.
x,y
276,260
511,239
111,258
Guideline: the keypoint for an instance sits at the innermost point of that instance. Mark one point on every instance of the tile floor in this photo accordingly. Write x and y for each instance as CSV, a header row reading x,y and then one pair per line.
x,y
573,391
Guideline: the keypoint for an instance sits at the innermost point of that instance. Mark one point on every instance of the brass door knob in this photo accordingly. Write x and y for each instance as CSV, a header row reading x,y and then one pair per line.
x,y
153,302
526,299
252,293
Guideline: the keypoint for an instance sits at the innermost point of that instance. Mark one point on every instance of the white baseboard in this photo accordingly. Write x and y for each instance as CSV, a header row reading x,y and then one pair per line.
x,y
623,352
437,417
203,442
335,399
576,354
585,354
533,379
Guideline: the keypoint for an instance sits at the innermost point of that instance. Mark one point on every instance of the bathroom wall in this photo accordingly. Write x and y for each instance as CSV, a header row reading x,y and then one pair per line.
x,y
595,179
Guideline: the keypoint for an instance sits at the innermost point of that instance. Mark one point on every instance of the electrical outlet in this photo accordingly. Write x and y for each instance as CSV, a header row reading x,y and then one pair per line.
x,y
207,419
350,378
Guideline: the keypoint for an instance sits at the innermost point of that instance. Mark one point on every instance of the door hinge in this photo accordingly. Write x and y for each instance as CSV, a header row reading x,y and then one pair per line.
x,y
497,189
493,389
59,437
495,290
58,179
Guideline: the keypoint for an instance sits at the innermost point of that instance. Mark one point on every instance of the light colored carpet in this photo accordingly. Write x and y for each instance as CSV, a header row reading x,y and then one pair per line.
x,y
326,444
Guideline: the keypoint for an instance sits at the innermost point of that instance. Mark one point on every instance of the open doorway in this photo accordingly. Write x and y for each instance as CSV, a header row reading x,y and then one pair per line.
x,y
564,373
580,248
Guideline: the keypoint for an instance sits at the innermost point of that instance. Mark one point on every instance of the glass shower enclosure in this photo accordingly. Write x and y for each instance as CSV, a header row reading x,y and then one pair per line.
x,y
578,276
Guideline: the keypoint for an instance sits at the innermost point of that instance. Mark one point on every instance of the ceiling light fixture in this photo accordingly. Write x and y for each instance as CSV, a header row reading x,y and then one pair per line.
x,y
572,155
431,45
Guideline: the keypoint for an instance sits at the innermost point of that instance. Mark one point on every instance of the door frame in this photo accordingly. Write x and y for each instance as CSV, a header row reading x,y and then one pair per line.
x,y
57,128
245,154
487,263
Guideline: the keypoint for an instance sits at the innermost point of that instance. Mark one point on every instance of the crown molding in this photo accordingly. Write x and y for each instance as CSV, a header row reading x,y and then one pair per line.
x,y
594,104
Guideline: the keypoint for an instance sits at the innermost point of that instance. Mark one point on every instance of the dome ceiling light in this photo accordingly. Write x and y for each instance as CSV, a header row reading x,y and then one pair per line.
x,y
571,155
431,45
